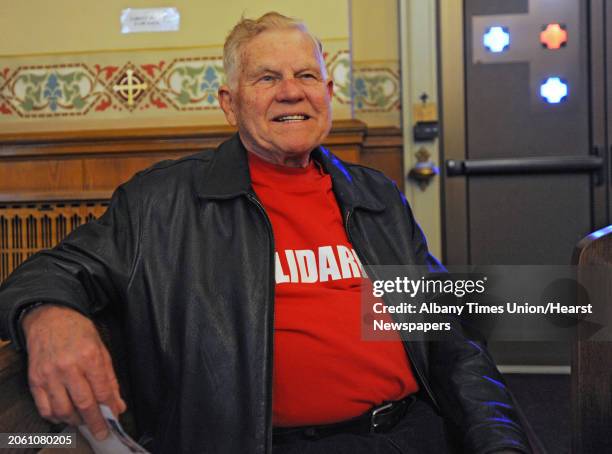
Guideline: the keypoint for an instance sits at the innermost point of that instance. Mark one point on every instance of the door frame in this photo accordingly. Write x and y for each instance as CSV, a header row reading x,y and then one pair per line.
x,y
455,237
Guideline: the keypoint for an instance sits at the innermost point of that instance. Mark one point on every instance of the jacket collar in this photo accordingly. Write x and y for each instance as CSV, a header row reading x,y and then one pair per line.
x,y
228,176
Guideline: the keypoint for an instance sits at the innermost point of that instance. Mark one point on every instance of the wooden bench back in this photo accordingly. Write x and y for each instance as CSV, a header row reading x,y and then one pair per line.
x,y
592,362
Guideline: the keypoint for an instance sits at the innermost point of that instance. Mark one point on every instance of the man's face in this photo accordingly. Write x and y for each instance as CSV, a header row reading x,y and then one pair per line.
x,y
281,102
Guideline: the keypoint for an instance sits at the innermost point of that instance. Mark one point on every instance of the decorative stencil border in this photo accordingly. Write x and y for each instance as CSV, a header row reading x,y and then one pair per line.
x,y
147,85
376,88
95,89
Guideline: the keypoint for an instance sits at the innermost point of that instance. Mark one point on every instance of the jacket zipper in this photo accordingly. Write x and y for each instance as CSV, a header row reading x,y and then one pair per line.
x,y
253,199
406,348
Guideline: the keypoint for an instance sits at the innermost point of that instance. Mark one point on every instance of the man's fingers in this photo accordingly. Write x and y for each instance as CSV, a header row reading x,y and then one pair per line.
x,y
61,405
69,368
42,403
86,404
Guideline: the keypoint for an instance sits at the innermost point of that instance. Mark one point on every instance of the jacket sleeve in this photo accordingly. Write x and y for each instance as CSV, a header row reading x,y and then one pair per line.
x,y
469,389
87,271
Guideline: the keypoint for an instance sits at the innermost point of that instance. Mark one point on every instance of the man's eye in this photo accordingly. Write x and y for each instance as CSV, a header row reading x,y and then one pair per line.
x,y
266,79
308,76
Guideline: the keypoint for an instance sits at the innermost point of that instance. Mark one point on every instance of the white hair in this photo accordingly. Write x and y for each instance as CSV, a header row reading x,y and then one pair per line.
x,y
247,29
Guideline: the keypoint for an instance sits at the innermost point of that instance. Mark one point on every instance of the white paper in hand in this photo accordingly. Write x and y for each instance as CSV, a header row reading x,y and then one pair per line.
x,y
117,442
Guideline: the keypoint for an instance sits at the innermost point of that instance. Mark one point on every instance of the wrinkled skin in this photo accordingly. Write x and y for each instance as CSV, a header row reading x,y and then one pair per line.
x,y
70,370
281,73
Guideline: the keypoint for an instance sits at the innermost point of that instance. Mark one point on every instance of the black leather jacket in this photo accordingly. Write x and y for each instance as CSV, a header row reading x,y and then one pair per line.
x,y
185,254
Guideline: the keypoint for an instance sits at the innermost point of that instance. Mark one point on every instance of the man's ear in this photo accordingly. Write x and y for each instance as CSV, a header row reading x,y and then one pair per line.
x,y
225,101
330,87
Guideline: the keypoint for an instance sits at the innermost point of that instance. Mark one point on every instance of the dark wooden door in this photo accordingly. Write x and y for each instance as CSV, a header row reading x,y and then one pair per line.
x,y
530,178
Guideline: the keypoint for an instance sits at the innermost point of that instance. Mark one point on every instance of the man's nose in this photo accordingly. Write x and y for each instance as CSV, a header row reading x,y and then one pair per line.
x,y
289,90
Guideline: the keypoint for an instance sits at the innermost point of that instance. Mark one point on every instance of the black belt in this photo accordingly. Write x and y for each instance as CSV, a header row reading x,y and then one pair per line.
x,y
379,419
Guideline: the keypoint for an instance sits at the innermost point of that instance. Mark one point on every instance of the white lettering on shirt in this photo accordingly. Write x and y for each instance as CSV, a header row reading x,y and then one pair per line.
x,y
293,271
307,264
327,263
328,268
347,263
280,276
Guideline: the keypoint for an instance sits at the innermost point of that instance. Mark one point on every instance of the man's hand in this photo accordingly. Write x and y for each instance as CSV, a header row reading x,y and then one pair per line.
x,y
70,370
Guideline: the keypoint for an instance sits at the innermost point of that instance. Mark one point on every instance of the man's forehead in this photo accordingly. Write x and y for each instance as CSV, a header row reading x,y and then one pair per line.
x,y
262,52
276,66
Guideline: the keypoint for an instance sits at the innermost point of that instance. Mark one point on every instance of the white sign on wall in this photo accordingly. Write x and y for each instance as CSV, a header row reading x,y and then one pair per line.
x,y
137,20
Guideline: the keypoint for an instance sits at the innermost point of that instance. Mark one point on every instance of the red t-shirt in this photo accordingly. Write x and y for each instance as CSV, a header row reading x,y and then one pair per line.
x,y
323,371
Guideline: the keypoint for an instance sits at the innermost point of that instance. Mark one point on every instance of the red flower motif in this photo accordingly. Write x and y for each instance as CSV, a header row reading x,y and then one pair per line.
x,y
150,68
4,109
108,70
104,104
158,102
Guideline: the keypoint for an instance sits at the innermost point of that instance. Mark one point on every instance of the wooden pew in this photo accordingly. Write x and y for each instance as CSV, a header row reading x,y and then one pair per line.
x,y
592,360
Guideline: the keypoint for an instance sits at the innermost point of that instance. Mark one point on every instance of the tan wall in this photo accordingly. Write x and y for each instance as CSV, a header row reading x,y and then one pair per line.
x,y
72,26
376,78
60,61
81,39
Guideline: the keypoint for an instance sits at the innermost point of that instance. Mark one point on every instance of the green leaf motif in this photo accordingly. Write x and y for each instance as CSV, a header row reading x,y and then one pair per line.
x,y
194,72
376,91
24,78
183,97
27,105
37,93
36,80
33,94
66,78
344,90
78,102
221,73
68,91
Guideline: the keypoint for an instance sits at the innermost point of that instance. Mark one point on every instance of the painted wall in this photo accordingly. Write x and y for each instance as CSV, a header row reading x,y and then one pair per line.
x,y
62,62
375,52
66,65
73,26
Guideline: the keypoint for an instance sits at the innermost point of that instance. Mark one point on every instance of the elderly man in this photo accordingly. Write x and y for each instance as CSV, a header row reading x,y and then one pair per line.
x,y
237,275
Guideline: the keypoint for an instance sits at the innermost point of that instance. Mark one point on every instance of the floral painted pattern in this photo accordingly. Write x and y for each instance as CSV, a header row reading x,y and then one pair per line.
x,y
192,84
44,91
376,90
339,69
180,84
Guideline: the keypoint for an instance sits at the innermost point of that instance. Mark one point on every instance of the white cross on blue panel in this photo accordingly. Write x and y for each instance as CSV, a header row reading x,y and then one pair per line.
x,y
554,90
496,39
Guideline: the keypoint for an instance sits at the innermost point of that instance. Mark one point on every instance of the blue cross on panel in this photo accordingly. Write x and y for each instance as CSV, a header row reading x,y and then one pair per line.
x,y
496,39
554,90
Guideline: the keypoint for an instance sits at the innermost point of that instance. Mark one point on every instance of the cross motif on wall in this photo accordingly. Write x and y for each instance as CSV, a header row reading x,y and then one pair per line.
x,y
130,87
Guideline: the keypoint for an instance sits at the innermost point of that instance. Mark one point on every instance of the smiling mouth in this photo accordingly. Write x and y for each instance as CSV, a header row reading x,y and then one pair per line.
x,y
291,118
